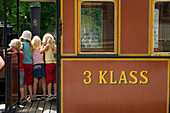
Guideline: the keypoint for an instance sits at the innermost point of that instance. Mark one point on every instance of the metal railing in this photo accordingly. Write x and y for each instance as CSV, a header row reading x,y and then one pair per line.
x,y
12,81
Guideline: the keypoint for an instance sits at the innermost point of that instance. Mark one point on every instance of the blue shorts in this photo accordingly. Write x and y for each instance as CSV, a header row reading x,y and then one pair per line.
x,y
39,70
21,79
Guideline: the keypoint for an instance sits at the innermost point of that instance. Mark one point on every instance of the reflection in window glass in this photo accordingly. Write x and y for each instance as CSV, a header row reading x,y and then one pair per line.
x,y
91,28
97,27
161,27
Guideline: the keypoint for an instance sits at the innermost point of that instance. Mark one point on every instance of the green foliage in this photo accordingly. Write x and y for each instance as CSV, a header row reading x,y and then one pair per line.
x,y
48,15
92,18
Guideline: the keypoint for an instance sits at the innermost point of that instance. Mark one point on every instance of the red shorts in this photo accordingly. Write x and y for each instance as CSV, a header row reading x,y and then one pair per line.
x,y
50,71
28,73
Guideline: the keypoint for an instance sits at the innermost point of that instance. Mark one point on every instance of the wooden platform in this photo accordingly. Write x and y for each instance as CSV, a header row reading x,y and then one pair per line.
x,y
39,106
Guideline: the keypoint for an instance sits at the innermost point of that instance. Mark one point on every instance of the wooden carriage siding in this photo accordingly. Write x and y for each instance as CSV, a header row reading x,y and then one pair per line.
x,y
39,106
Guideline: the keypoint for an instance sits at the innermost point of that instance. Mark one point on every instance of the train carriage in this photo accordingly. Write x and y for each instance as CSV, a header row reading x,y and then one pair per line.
x,y
113,56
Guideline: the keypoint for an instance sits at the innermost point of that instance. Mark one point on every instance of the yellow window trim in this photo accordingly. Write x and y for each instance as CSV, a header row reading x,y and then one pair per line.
x,y
152,2
115,23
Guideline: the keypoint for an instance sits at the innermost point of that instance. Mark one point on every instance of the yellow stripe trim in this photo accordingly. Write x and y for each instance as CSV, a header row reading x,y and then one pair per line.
x,y
123,59
119,32
168,87
62,28
133,54
150,26
76,27
61,86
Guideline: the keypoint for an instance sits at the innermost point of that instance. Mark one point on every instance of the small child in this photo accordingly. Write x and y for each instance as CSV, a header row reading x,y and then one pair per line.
x,y
15,46
49,48
27,62
38,66
2,63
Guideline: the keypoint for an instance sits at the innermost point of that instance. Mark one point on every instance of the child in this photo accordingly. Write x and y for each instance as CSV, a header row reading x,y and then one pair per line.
x,y
2,63
27,62
15,45
49,48
38,66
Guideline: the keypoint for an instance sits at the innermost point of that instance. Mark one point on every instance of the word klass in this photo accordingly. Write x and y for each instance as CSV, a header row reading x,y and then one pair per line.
x,y
134,75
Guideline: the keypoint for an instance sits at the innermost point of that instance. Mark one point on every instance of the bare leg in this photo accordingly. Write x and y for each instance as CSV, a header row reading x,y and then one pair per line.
x,y
25,91
22,93
35,85
30,90
55,88
49,88
43,85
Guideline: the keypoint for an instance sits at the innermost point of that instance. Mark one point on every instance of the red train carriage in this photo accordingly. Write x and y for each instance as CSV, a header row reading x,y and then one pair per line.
x,y
113,56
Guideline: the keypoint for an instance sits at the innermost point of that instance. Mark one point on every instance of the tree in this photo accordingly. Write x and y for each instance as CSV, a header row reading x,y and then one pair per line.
x,y
48,15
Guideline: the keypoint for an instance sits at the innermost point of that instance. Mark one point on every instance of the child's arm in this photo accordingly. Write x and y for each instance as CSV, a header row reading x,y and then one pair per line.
x,y
55,48
44,48
2,63
21,47
7,51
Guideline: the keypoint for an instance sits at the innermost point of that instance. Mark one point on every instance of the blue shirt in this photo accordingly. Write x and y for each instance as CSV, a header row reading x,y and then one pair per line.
x,y
27,53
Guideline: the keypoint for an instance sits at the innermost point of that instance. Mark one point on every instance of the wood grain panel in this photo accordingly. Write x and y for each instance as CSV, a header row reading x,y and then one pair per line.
x,y
134,27
68,26
79,97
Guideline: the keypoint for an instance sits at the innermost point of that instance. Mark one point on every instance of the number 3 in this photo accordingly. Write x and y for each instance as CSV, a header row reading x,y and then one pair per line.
x,y
88,77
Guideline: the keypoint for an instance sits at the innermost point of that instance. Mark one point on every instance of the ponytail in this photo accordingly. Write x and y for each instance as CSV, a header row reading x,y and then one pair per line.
x,y
52,45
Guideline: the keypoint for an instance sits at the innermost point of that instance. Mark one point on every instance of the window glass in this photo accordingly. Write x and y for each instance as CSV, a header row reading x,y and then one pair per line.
x,y
161,27
97,27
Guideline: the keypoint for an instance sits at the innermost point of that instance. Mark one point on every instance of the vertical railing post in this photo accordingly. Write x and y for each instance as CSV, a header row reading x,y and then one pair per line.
x,y
5,41
59,32
10,87
18,52
18,18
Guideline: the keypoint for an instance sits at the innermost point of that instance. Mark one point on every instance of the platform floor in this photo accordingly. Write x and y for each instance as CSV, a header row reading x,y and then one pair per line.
x,y
38,106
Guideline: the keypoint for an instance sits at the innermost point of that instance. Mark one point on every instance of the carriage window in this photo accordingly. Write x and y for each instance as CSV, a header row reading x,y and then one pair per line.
x,y
97,27
161,27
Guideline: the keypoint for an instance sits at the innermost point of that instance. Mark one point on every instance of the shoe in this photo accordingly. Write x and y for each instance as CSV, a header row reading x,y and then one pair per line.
x,y
28,100
43,97
34,98
50,97
55,96
22,101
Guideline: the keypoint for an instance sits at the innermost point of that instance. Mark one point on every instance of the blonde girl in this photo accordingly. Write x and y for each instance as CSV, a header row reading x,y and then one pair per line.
x,y
49,48
27,62
15,45
38,66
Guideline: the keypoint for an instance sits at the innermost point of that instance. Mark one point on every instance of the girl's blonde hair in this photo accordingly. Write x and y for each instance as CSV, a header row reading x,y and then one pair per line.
x,y
52,45
15,43
36,42
47,36
49,39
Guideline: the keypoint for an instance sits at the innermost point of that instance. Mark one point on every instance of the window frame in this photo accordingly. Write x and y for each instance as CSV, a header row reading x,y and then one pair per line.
x,y
153,53
115,26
